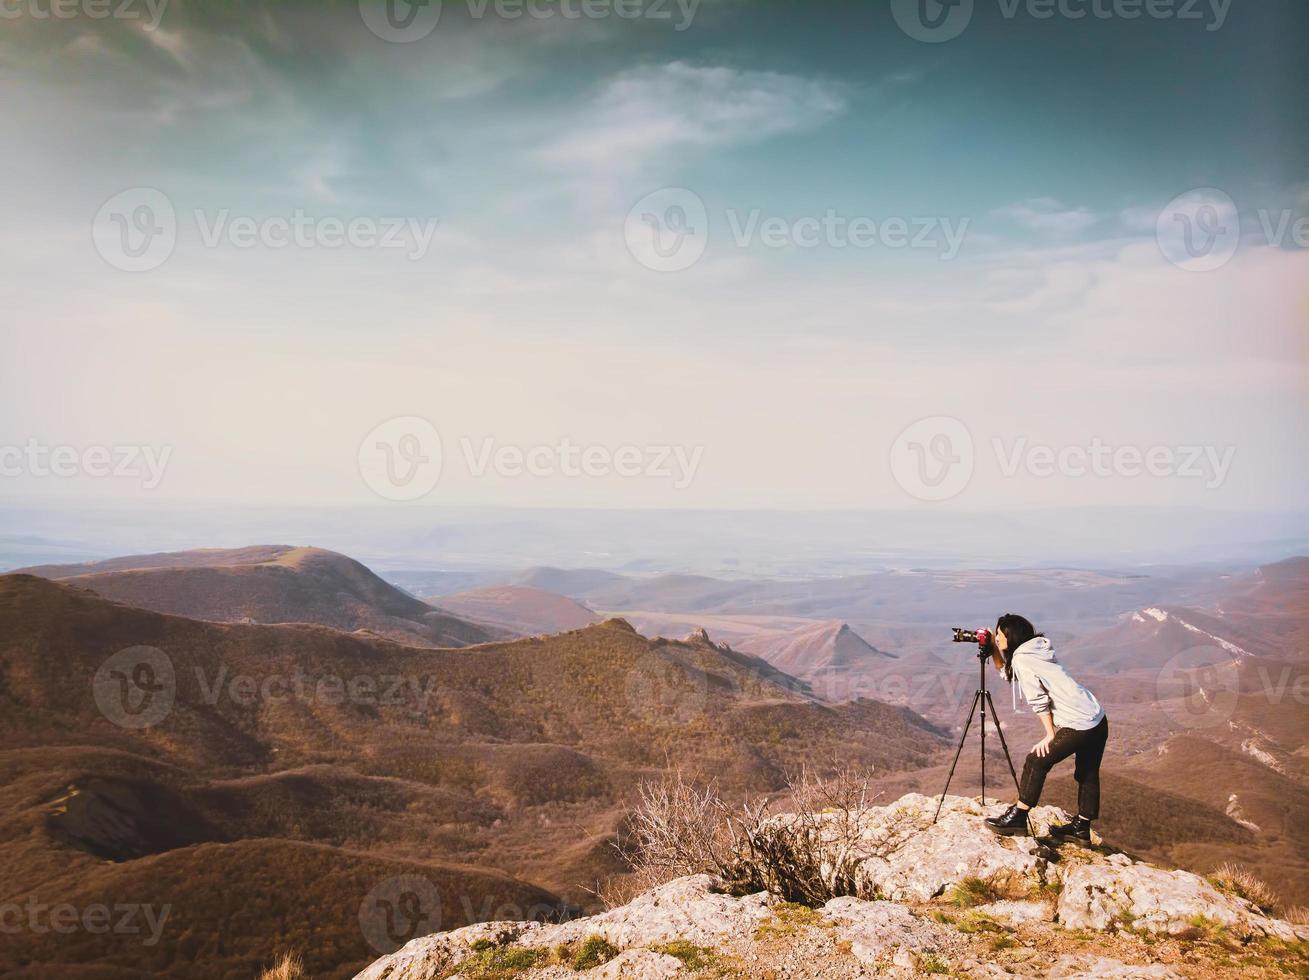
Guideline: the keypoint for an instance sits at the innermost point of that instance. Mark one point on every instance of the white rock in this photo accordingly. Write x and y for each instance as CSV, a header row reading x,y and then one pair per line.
x,y
1090,967
687,908
1016,913
638,964
874,929
904,958
932,857
1104,896
432,956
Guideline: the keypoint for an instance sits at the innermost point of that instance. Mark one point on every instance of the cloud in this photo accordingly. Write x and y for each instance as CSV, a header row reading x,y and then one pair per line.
x,y
649,111
1139,218
1049,216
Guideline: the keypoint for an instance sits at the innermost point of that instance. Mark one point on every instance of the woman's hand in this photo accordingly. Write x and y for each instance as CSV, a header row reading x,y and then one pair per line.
x,y
1042,747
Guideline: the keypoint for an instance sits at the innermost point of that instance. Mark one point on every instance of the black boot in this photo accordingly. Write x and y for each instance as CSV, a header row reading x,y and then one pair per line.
x,y
1011,823
1076,829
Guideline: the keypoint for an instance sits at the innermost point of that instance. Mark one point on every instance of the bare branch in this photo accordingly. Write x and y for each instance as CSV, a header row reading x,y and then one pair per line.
x,y
809,854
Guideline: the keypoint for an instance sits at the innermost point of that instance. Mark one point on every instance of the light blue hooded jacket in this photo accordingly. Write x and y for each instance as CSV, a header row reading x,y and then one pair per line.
x,y
1047,686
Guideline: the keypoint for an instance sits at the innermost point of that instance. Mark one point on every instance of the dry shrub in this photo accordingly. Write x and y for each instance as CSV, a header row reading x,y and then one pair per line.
x,y
1234,878
808,854
289,967
1297,916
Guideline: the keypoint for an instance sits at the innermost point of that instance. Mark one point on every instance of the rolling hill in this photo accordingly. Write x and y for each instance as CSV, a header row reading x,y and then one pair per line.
x,y
518,610
270,584
1151,637
153,756
827,655
569,582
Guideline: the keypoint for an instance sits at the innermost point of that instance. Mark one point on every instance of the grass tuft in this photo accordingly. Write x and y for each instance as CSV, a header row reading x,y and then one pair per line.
x,y
289,967
1238,881
973,891
931,963
594,951
1203,929
693,957
788,918
974,922
491,962
1051,889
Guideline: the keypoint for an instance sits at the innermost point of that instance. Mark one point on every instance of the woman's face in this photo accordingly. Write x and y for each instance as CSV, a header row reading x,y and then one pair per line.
x,y
999,644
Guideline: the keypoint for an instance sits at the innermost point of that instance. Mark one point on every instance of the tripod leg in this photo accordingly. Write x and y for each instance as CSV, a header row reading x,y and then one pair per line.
x,y
1003,743
976,697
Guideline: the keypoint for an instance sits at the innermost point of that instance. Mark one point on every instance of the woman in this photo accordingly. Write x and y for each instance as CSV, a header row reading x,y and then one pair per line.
x,y
1075,725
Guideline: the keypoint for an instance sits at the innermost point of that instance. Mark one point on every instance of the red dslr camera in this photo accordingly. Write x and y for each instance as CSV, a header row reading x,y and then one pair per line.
x,y
982,637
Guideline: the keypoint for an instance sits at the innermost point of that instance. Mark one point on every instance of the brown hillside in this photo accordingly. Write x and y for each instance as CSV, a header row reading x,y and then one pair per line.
x,y
1273,601
281,770
1272,808
270,584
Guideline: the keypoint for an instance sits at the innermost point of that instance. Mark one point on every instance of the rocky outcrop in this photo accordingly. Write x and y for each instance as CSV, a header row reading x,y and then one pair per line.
x,y
944,897
438,954
691,910
1119,892
912,859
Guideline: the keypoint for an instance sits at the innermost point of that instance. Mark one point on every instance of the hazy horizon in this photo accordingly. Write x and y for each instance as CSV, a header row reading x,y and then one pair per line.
x,y
726,543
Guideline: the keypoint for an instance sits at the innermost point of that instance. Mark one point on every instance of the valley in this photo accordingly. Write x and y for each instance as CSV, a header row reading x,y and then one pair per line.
x,y
327,732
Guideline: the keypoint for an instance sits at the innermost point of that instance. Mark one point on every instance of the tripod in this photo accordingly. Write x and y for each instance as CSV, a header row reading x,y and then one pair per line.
x,y
981,698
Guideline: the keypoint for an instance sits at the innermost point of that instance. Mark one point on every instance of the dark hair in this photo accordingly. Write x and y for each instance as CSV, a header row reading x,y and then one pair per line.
x,y
1017,630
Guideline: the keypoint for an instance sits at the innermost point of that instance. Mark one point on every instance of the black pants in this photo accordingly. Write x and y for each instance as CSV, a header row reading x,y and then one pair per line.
x,y
1088,747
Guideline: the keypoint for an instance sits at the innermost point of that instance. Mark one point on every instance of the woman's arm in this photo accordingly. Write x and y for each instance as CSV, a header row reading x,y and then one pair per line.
x,y
1034,692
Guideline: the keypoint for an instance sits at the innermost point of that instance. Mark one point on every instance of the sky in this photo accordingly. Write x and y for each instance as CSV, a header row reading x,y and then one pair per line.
x,y
745,255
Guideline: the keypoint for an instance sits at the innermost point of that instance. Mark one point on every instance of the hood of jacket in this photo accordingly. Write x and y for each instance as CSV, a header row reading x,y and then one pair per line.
x,y
1039,647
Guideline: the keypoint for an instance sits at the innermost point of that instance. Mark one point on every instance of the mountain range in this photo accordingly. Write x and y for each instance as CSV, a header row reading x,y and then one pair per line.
x,y
282,727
